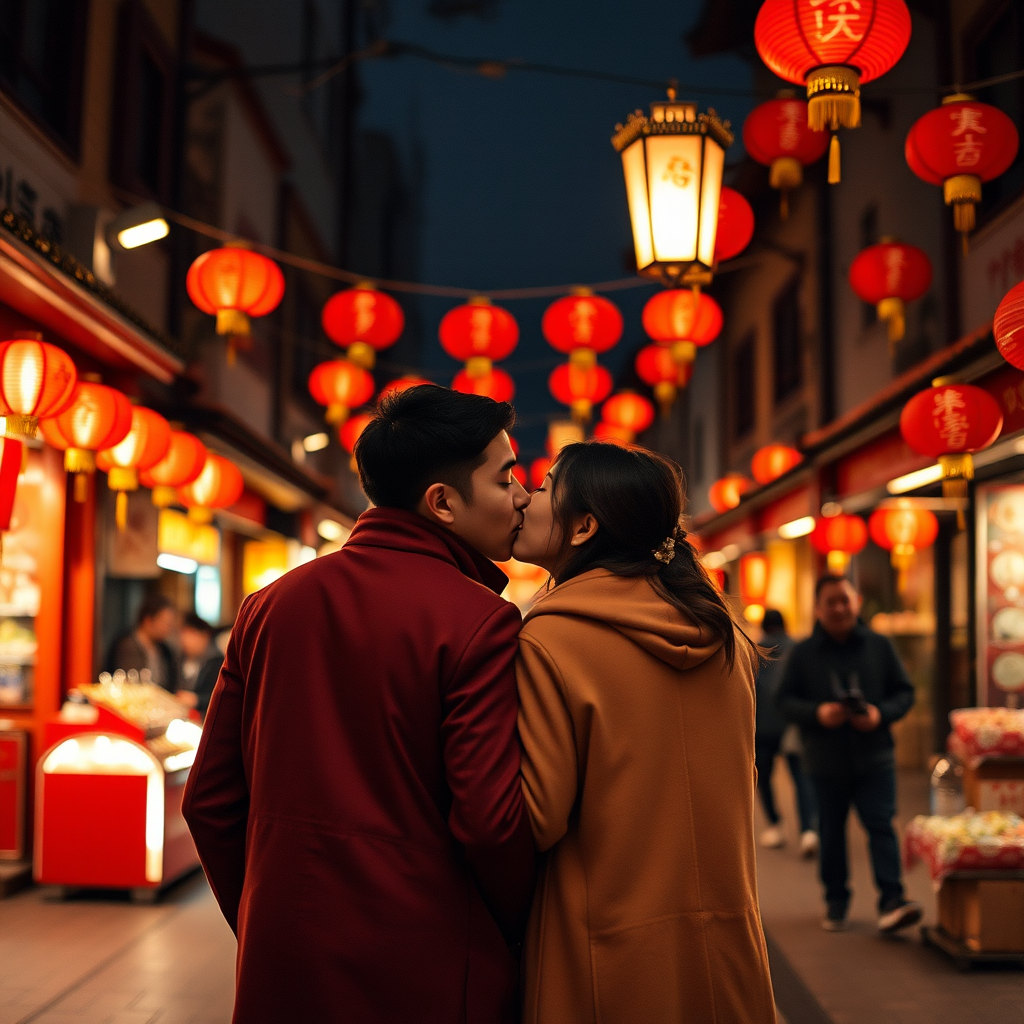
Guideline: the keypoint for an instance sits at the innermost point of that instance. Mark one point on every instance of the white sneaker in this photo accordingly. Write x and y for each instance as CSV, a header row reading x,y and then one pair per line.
x,y
808,843
772,838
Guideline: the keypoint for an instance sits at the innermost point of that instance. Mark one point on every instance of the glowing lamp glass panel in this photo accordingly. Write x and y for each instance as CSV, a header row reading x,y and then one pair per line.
x,y
635,170
673,181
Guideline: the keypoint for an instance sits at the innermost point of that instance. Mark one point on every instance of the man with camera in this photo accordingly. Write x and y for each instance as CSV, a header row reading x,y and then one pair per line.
x,y
844,686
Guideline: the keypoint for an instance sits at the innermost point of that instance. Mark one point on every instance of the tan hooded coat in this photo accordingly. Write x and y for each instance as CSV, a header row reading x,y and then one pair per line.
x,y
638,772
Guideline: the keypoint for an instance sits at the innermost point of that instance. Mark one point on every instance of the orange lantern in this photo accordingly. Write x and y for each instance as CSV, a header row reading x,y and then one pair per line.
x,y
833,48
395,387
364,321
341,386
144,445
612,434
495,384
539,469
580,388
628,413
478,334
350,432
726,493
183,462
735,224
684,320
234,284
582,325
776,134
839,538
1008,326
754,573
219,485
656,366
97,418
903,530
36,380
772,461
888,275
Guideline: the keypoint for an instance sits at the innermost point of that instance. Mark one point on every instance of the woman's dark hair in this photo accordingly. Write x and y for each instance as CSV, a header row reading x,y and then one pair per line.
x,y
637,498
426,435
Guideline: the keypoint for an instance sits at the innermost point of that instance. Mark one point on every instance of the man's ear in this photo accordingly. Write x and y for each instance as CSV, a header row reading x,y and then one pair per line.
x,y
435,505
583,531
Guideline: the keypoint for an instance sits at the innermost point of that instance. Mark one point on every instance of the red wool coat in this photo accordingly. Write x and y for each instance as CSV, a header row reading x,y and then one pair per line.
x,y
356,798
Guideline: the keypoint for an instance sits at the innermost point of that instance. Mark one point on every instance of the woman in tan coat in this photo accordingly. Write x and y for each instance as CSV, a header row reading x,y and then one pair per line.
x,y
637,724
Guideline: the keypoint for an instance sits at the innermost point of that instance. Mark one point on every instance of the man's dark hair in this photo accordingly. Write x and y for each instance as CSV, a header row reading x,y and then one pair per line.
x,y
152,605
773,622
827,580
193,621
426,435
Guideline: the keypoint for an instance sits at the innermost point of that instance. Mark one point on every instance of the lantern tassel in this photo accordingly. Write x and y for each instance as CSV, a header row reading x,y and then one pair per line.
x,y
232,356
893,312
837,561
784,205
957,471
121,511
833,160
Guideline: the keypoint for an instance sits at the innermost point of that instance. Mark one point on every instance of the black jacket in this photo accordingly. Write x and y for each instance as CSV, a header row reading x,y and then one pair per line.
x,y
820,670
771,722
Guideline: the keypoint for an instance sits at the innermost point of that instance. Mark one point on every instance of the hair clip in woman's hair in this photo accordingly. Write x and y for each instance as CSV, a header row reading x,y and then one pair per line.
x,y
667,551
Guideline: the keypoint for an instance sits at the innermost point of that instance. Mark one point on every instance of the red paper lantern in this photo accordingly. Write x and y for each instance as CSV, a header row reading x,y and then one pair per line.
x,y
495,383
36,380
684,320
395,387
350,432
219,485
903,531
754,574
888,275
1008,326
776,134
833,47
579,388
144,445
726,493
98,417
364,321
656,366
735,224
958,146
582,326
11,452
341,386
539,469
772,461
948,423
629,412
478,334
839,538
184,461
612,434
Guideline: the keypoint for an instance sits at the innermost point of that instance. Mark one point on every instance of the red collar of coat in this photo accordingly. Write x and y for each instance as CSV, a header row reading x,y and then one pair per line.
x,y
398,530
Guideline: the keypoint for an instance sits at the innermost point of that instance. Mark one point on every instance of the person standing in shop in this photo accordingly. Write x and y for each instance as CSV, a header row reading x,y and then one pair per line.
x,y
774,736
201,660
844,686
145,647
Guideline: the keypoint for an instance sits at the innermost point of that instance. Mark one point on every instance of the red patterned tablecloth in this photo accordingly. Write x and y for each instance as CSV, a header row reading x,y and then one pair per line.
x,y
965,842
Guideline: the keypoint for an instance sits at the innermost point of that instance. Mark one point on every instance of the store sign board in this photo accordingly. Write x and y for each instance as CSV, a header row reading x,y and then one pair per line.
x,y
794,505
877,463
993,266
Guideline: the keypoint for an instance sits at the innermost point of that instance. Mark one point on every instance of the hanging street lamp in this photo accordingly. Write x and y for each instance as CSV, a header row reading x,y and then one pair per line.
x,y
673,160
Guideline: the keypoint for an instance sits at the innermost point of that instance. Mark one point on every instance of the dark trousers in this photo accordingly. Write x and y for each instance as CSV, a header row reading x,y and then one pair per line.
x,y
766,749
874,798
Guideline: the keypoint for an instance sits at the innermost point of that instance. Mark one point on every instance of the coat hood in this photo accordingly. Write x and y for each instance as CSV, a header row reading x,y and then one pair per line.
x,y
634,608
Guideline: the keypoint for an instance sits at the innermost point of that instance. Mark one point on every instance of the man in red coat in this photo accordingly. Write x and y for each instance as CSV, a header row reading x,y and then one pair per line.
x,y
355,799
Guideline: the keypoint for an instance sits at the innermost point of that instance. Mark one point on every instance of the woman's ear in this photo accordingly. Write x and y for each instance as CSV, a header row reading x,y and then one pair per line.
x,y
583,530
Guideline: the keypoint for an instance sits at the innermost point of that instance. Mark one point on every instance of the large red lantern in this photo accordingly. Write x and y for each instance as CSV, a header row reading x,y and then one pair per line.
x,y
364,321
396,387
888,275
726,493
341,386
582,326
183,462
958,146
772,461
735,224
839,538
219,485
657,367
947,423
612,434
754,576
683,319
903,531
495,384
234,284
579,388
628,412
776,134
833,47
478,334
36,380
144,445
1008,326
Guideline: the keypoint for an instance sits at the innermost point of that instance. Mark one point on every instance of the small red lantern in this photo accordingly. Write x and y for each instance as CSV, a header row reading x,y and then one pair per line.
x,y
727,492
776,134
184,461
219,485
839,538
478,334
364,321
1008,326
903,531
234,284
735,224
958,146
495,384
539,469
888,275
37,380
657,367
754,574
833,48
341,386
949,422
395,387
581,326
684,320
612,434
144,445
580,388
628,412
772,461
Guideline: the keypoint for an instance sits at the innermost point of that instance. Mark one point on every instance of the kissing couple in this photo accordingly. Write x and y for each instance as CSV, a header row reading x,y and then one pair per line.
x,y
415,808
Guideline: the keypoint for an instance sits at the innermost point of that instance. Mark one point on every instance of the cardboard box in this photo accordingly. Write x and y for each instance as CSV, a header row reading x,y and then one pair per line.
x,y
987,915
995,784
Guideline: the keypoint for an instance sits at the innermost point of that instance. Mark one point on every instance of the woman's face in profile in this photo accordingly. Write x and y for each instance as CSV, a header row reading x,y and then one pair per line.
x,y
539,542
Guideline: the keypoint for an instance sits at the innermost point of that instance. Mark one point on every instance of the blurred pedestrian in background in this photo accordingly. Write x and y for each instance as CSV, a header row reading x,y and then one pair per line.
x,y
844,686
201,660
775,735
146,646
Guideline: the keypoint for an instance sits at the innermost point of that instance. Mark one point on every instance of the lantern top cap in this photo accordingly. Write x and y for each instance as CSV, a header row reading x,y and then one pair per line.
x,y
958,97
672,117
